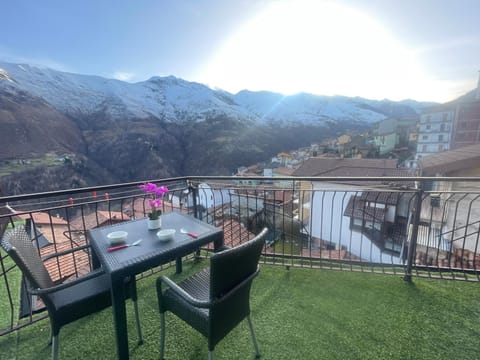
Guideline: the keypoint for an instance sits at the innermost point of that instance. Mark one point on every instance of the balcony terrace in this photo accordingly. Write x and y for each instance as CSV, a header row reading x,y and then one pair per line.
x,y
298,314
301,309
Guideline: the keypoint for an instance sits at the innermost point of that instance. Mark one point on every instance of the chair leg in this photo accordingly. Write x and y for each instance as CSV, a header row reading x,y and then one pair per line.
x,y
162,335
257,352
137,319
55,347
210,355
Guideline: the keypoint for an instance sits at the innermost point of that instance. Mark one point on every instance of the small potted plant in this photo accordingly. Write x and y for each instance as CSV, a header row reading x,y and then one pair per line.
x,y
155,194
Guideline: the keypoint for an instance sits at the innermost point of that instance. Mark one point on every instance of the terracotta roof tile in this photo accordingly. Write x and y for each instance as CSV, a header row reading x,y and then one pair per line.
x,y
390,198
140,208
235,233
283,171
43,218
320,166
68,265
97,219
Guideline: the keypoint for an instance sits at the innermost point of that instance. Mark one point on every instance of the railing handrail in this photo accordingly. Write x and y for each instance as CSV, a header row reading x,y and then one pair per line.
x,y
10,198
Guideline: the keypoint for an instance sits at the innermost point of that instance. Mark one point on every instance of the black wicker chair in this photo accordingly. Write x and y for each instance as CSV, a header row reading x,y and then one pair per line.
x,y
68,301
216,299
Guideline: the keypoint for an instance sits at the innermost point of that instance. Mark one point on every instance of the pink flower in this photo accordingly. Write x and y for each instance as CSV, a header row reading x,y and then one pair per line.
x,y
162,190
149,188
155,202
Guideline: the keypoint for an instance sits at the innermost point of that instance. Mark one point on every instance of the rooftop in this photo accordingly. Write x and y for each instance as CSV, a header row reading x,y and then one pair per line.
x,y
449,161
321,166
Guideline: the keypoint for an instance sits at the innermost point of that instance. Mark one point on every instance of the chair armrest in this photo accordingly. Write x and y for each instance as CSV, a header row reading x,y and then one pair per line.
x,y
62,286
182,293
222,248
65,252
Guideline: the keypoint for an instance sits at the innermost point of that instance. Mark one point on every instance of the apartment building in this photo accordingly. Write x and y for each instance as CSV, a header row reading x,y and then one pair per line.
x,y
450,126
435,130
467,124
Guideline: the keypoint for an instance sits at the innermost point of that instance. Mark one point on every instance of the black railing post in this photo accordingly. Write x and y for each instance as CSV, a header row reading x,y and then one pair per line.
x,y
413,238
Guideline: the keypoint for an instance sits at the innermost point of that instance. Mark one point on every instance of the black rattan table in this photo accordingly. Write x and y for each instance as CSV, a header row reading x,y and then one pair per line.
x,y
150,253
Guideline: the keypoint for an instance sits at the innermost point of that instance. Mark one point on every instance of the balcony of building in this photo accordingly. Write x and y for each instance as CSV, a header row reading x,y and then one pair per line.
x,y
389,297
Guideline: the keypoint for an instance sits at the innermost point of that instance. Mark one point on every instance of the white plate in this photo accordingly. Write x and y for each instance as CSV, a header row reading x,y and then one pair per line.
x,y
166,235
117,237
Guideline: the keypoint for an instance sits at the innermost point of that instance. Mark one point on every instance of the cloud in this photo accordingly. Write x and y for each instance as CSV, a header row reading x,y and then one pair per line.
x,y
8,56
123,76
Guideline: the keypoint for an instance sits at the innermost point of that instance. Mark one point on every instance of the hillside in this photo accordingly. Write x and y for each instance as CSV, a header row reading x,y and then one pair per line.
x,y
117,131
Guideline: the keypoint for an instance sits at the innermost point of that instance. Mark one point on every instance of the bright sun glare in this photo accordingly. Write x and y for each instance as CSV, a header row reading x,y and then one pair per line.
x,y
318,47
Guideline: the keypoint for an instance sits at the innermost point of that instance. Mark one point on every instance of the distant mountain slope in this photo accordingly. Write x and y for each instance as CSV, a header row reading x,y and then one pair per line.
x,y
176,100
29,125
306,108
114,131
168,98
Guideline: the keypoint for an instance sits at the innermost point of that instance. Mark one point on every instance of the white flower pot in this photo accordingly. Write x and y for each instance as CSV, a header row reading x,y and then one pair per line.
x,y
154,224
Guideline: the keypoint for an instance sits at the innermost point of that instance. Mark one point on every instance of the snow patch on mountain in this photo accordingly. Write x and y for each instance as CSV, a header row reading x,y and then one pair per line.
x,y
306,108
4,75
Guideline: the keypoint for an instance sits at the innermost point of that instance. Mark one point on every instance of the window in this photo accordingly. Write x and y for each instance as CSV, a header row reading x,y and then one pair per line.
x,y
442,127
357,222
440,137
425,137
440,147
428,127
424,148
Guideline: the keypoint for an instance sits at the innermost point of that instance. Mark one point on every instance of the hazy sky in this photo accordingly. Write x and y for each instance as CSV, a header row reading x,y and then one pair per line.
x,y
426,50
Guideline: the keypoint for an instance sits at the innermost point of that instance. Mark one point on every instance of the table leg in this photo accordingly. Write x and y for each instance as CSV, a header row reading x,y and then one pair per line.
x,y
178,263
120,318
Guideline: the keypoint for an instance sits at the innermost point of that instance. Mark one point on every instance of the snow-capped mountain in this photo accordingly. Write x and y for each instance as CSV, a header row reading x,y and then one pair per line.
x,y
114,131
173,99
85,94
306,108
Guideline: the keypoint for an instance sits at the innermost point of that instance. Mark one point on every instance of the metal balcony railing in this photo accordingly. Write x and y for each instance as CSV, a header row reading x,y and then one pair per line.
x,y
426,227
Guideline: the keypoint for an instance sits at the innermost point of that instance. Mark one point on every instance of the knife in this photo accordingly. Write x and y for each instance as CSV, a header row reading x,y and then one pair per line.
x,y
118,247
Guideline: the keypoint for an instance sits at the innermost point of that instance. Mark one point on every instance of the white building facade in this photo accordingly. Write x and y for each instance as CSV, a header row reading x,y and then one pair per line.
x,y
435,131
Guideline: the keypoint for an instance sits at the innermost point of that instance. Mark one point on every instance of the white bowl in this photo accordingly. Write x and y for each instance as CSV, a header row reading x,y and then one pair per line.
x,y
117,237
166,234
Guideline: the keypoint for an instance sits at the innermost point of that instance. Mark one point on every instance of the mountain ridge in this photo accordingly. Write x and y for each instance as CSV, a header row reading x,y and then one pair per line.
x,y
167,97
113,131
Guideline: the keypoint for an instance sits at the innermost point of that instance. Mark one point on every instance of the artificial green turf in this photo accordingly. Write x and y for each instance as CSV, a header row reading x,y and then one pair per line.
x,y
12,288
297,314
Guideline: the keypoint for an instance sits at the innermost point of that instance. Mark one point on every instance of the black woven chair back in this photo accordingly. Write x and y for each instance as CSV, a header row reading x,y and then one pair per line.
x,y
230,267
4,221
18,244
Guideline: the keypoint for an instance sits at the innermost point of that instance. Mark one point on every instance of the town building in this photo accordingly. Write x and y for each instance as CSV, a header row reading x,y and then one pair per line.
x,y
373,222
435,129
450,126
467,124
450,211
